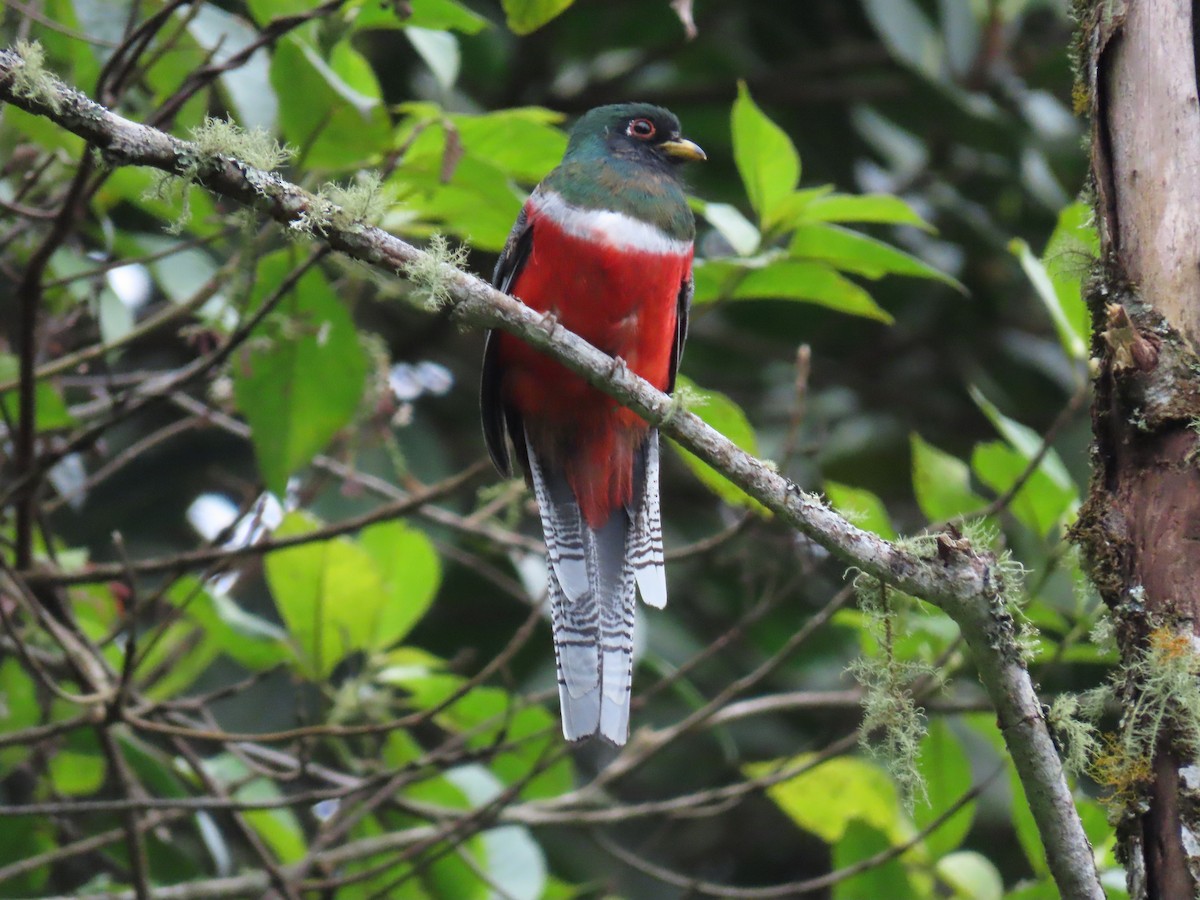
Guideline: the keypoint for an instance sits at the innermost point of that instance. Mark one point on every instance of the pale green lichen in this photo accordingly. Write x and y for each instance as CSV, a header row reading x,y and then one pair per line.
x,y
428,272
255,147
1161,708
32,81
213,139
363,202
336,206
1073,719
893,723
1166,702
172,189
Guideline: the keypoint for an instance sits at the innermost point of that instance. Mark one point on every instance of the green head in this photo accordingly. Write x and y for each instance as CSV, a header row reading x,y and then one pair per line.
x,y
637,132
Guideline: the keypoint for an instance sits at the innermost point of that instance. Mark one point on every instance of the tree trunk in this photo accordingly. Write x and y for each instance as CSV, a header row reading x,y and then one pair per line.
x,y
1140,527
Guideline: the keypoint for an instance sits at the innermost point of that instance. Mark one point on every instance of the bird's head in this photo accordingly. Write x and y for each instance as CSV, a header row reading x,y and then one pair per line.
x,y
635,131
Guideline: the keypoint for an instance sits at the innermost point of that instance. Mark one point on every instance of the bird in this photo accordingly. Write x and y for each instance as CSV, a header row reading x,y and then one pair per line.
x,y
603,247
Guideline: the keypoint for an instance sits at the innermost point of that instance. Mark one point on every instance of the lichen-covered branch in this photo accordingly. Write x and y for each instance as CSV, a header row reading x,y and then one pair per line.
x,y
962,581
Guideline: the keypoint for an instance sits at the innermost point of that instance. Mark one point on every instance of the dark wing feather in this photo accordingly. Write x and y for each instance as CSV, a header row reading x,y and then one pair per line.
x,y
683,305
497,420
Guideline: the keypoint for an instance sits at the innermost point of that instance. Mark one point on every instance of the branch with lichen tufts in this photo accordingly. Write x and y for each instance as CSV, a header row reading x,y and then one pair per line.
x,y
955,576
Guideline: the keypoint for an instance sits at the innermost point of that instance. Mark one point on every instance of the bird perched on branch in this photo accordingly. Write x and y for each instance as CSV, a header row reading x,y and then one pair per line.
x,y
604,245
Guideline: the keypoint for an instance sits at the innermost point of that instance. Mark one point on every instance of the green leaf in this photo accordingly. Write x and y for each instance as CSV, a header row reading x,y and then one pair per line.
x,y
1073,341
972,876
437,14
1047,890
861,507
720,412
266,10
826,799
861,255
440,51
50,410
882,209
330,594
114,317
513,859
739,231
279,828
811,282
910,36
249,639
411,571
891,879
524,16
77,768
248,86
1070,252
22,838
1041,503
300,379
331,110
521,142
478,204
941,482
444,14
18,710
946,770
1051,492
765,156
76,774
178,658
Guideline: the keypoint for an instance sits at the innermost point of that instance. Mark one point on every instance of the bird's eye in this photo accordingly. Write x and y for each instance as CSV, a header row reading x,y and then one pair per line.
x,y
642,129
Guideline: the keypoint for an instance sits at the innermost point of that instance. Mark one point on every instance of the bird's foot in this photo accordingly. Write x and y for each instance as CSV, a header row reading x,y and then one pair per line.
x,y
549,321
618,367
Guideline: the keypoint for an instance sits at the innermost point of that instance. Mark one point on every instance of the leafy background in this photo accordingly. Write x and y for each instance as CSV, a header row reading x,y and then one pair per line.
x,y
887,305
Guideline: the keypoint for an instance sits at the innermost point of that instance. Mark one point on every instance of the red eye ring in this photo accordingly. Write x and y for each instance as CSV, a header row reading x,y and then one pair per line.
x,y
642,129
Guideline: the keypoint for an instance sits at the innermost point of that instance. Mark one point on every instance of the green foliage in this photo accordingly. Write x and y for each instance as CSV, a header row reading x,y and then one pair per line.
x,y
892,878
52,412
724,415
825,798
340,596
813,257
941,482
1053,499
766,157
524,16
946,774
330,108
861,507
301,381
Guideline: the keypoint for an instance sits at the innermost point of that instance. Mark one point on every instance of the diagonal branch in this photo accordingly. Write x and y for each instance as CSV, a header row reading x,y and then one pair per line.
x,y
961,581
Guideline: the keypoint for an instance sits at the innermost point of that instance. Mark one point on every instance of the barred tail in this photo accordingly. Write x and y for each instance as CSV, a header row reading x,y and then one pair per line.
x,y
594,576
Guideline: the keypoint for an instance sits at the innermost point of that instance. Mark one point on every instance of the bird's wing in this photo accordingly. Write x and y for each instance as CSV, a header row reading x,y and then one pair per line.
x,y
499,421
683,306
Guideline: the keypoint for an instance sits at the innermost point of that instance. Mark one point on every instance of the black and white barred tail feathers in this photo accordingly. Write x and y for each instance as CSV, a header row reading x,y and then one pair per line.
x,y
595,575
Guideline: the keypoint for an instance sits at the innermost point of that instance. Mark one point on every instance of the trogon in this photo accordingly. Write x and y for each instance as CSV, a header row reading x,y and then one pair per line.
x,y
604,246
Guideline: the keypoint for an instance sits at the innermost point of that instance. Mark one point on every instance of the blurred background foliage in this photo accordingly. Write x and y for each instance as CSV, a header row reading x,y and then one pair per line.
x,y
888,273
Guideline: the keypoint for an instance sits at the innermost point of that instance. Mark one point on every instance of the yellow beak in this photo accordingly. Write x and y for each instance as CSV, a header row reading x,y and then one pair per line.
x,y
682,148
